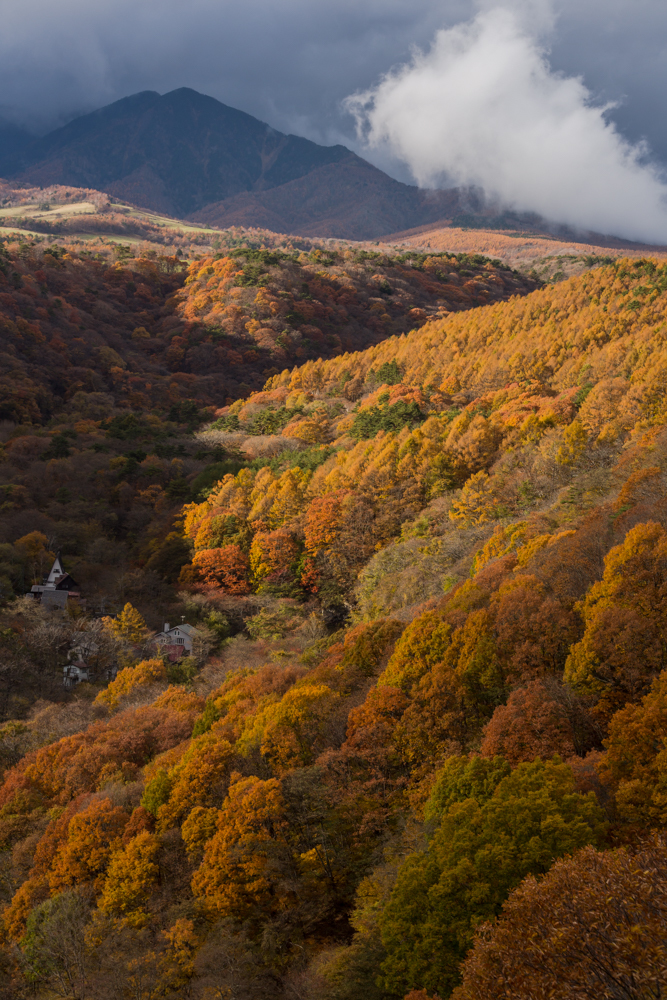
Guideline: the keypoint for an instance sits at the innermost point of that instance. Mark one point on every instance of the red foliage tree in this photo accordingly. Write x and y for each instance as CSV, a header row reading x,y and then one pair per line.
x,y
532,724
593,928
224,569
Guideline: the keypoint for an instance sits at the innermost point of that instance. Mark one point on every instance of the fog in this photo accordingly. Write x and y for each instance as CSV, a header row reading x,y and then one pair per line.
x,y
483,106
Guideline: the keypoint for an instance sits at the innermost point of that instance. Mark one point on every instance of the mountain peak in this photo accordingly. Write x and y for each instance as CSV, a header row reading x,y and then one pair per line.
x,y
183,153
174,153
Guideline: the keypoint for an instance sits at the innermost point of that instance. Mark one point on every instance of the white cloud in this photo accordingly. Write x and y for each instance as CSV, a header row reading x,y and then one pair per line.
x,y
484,107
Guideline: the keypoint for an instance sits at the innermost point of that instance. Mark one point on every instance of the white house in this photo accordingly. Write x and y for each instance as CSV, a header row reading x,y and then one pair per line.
x,y
83,649
177,641
75,673
56,588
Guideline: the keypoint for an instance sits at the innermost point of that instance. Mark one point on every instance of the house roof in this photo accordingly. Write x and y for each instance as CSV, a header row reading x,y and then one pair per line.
x,y
188,629
58,576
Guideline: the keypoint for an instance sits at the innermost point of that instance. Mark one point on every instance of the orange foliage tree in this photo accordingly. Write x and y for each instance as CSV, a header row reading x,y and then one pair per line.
x,y
593,928
636,758
92,836
533,723
247,865
225,568
623,647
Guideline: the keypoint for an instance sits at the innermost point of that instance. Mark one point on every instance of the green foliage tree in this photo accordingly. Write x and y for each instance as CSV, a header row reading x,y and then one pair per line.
x,y
54,946
483,847
386,417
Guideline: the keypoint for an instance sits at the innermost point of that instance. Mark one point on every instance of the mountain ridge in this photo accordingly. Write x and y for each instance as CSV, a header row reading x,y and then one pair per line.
x,y
351,199
184,153
197,149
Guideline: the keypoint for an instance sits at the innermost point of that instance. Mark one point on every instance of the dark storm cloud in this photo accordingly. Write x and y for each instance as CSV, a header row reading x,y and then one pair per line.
x,y
291,62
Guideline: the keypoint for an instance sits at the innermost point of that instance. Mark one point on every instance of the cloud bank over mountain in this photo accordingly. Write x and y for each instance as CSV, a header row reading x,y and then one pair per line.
x,y
289,63
483,106
292,64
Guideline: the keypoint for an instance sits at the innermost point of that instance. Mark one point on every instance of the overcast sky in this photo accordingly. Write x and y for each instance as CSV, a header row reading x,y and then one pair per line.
x,y
292,63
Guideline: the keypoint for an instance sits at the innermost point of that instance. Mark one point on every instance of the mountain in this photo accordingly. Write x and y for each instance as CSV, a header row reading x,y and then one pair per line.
x,y
183,153
350,199
14,141
174,153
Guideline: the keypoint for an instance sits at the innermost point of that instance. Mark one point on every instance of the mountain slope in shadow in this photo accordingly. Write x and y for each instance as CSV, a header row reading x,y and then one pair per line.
x,y
350,199
173,153
190,156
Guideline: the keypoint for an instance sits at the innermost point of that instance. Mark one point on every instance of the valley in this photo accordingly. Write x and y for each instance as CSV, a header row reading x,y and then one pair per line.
x,y
333,567
423,562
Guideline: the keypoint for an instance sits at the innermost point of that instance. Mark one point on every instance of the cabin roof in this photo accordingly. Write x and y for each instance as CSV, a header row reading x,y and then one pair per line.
x,y
188,630
57,577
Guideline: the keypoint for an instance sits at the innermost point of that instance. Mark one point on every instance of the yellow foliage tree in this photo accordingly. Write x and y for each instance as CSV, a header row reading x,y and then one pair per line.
x,y
145,673
128,626
476,504
198,828
422,645
574,444
194,780
290,732
131,874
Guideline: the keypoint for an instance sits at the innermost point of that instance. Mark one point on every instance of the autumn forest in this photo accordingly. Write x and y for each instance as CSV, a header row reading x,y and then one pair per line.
x,y
414,507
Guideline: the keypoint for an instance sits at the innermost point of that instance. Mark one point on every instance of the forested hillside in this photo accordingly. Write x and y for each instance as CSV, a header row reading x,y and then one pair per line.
x,y
74,318
109,363
419,750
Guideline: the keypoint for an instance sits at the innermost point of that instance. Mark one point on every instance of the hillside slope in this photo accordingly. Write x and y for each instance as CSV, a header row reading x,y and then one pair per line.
x,y
110,361
551,255
596,320
115,323
508,387
435,743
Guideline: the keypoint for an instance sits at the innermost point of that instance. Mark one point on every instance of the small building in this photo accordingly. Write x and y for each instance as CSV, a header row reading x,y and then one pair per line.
x,y
75,673
78,669
83,662
57,588
176,641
